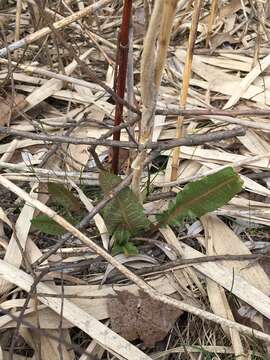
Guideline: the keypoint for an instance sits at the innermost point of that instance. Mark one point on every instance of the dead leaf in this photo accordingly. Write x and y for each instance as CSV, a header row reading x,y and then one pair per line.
x,y
10,106
219,39
248,316
5,113
141,317
264,262
226,10
4,19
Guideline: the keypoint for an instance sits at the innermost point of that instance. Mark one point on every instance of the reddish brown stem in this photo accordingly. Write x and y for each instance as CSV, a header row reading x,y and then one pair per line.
x,y
121,73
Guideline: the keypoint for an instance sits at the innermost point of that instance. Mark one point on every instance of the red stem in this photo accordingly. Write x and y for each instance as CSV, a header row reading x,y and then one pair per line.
x,y
121,73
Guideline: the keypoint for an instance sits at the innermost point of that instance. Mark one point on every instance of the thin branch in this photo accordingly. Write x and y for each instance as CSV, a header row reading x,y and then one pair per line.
x,y
158,145
212,111
180,263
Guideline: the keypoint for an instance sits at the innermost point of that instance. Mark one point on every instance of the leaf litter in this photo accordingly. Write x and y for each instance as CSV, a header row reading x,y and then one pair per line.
x,y
141,317
229,71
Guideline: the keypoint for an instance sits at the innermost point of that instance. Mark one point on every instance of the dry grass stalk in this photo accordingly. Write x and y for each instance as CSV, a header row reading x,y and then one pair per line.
x,y
185,83
211,20
18,19
152,66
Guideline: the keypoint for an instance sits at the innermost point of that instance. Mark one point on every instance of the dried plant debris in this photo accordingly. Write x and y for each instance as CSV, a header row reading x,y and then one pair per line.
x,y
11,106
141,317
193,66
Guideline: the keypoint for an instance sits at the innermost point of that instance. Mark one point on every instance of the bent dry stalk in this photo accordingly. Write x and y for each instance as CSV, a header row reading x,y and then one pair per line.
x,y
152,65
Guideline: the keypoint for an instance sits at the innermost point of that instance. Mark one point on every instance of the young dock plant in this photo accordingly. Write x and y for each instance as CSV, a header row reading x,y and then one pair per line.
x,y
124,216
67,204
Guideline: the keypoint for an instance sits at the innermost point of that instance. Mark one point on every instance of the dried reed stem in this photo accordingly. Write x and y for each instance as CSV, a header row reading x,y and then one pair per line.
x,y
211,20
18,19
185,83
152,66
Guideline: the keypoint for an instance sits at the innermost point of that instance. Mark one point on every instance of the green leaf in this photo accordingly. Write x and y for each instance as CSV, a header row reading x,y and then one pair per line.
x,y
47,225
117,249
108,181
124,211
121,235
63,196
202,196
130,249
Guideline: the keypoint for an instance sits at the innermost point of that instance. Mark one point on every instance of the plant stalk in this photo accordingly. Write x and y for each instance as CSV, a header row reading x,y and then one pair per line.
x,y
152,66
185,84
211,21
121,74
